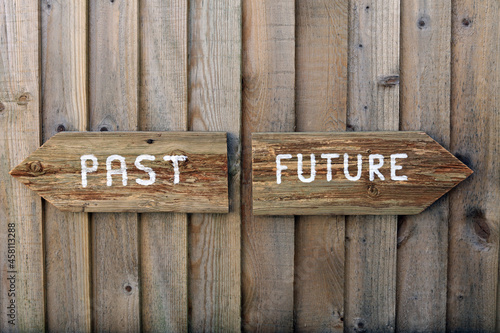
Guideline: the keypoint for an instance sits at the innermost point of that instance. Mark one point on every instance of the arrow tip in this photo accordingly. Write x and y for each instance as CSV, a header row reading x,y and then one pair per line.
x,y
466,170
27,168
17,170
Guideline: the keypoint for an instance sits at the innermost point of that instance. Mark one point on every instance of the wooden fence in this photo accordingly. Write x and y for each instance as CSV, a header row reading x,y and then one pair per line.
x,y
242,67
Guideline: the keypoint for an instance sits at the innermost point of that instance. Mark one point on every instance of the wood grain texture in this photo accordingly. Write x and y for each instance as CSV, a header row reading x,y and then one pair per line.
x,y
20,135
64,107
425,105
215,105
429,169
113,87
475,128
163,105
196,184
321,65
373,105
268,105
321,105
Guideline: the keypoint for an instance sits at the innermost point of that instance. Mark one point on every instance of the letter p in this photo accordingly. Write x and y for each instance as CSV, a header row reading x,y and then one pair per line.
x,y
86,169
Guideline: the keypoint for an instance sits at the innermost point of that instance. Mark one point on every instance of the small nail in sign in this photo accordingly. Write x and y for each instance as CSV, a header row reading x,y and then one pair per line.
x,y
365,173
130,172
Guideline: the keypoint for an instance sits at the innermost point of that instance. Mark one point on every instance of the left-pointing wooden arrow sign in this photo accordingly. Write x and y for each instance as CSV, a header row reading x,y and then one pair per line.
x,y
130,172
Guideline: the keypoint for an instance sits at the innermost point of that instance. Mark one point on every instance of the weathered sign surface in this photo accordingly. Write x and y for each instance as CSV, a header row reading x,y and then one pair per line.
x,y
365,173
130,172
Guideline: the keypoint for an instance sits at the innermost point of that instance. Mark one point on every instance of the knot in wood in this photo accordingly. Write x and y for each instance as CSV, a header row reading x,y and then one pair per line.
x,y
23,99
359,325
373,191
36,166
388,80
2,107
480,223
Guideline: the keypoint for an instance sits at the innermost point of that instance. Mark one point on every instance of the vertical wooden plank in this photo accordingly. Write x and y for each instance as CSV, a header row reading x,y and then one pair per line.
x,y
373,105
321,105
163,105
20,209
268,105
425,105
215,105
64,108
113,72
475,128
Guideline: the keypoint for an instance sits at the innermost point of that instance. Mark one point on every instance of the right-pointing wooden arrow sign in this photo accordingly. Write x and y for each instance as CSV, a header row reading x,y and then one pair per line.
x,y
365,173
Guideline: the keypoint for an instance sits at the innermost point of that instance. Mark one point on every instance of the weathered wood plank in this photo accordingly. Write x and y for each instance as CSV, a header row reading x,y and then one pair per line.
x,y
475,127
215,105
130,172
20,208
373,105
321,105
64,107
268,105
396,173
425,105
113,79
163,105
321,65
